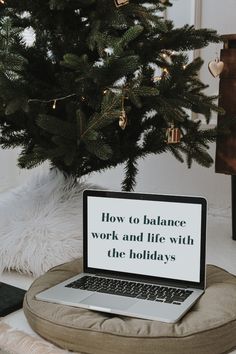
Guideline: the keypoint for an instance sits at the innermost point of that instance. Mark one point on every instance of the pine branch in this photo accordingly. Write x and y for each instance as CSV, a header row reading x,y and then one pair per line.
x,y
100,149
188,38
130,35
56,126
109,113
31,159
176,153
11,62
131,171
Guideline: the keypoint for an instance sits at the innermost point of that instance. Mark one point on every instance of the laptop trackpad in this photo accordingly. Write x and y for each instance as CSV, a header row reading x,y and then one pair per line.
x,y
108,301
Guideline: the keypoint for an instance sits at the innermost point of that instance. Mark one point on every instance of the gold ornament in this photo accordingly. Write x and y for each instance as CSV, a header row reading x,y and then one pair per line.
x,y
123,117
123,120
173,135
120,3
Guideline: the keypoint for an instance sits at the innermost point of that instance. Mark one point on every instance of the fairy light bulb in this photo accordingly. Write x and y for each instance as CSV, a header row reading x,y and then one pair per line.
x,y
184,67
156,78
2,1
165,71
54,104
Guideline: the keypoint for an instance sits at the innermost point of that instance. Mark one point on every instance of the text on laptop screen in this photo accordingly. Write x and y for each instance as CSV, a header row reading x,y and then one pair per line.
x,y
147,237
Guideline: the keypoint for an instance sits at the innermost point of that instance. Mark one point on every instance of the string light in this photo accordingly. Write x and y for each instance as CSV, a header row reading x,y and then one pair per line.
x,y
2,1
52,100
165,71
184,66
105,91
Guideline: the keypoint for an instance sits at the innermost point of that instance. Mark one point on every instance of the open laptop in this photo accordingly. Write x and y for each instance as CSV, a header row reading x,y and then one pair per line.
x,y
144,256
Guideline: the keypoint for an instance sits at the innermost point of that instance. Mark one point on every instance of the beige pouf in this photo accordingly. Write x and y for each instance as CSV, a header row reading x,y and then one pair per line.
x,y
208,328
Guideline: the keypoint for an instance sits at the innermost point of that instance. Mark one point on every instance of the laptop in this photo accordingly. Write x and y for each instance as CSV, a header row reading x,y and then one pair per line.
x,y
144,256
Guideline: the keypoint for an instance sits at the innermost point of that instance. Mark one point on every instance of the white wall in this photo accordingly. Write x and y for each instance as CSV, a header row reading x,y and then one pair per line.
x,y
163,174
10,174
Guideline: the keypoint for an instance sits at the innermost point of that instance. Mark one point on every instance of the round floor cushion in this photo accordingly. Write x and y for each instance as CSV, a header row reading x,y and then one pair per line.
x,y
208,328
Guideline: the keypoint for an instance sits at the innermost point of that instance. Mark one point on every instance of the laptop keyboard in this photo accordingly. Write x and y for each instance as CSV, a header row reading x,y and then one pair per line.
x,y
131,289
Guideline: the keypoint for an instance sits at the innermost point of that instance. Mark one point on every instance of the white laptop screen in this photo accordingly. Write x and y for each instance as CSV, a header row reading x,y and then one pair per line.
x,y
145,237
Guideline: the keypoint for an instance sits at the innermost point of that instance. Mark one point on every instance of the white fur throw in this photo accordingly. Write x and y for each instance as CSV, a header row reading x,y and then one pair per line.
x,y
41,223
18,342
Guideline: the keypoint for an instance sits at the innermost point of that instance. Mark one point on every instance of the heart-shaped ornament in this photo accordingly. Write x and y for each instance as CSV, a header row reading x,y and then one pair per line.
x,y
216,67
119,3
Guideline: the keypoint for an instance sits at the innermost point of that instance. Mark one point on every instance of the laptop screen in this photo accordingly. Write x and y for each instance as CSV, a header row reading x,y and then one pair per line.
x,y
145,235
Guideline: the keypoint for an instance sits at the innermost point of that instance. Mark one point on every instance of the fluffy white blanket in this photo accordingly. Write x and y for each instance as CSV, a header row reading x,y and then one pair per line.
x,y
41,223
18,342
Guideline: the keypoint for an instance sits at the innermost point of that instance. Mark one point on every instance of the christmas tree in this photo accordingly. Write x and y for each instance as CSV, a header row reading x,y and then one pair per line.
x,y
103,83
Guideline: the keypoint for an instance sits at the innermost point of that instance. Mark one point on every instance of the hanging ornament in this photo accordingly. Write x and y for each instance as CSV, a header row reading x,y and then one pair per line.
x,y
123,117
216,67
123,120
164,2
120,3
173,135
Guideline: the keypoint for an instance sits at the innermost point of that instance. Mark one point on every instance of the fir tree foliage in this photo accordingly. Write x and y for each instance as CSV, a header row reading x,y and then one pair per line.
x,y
62,96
